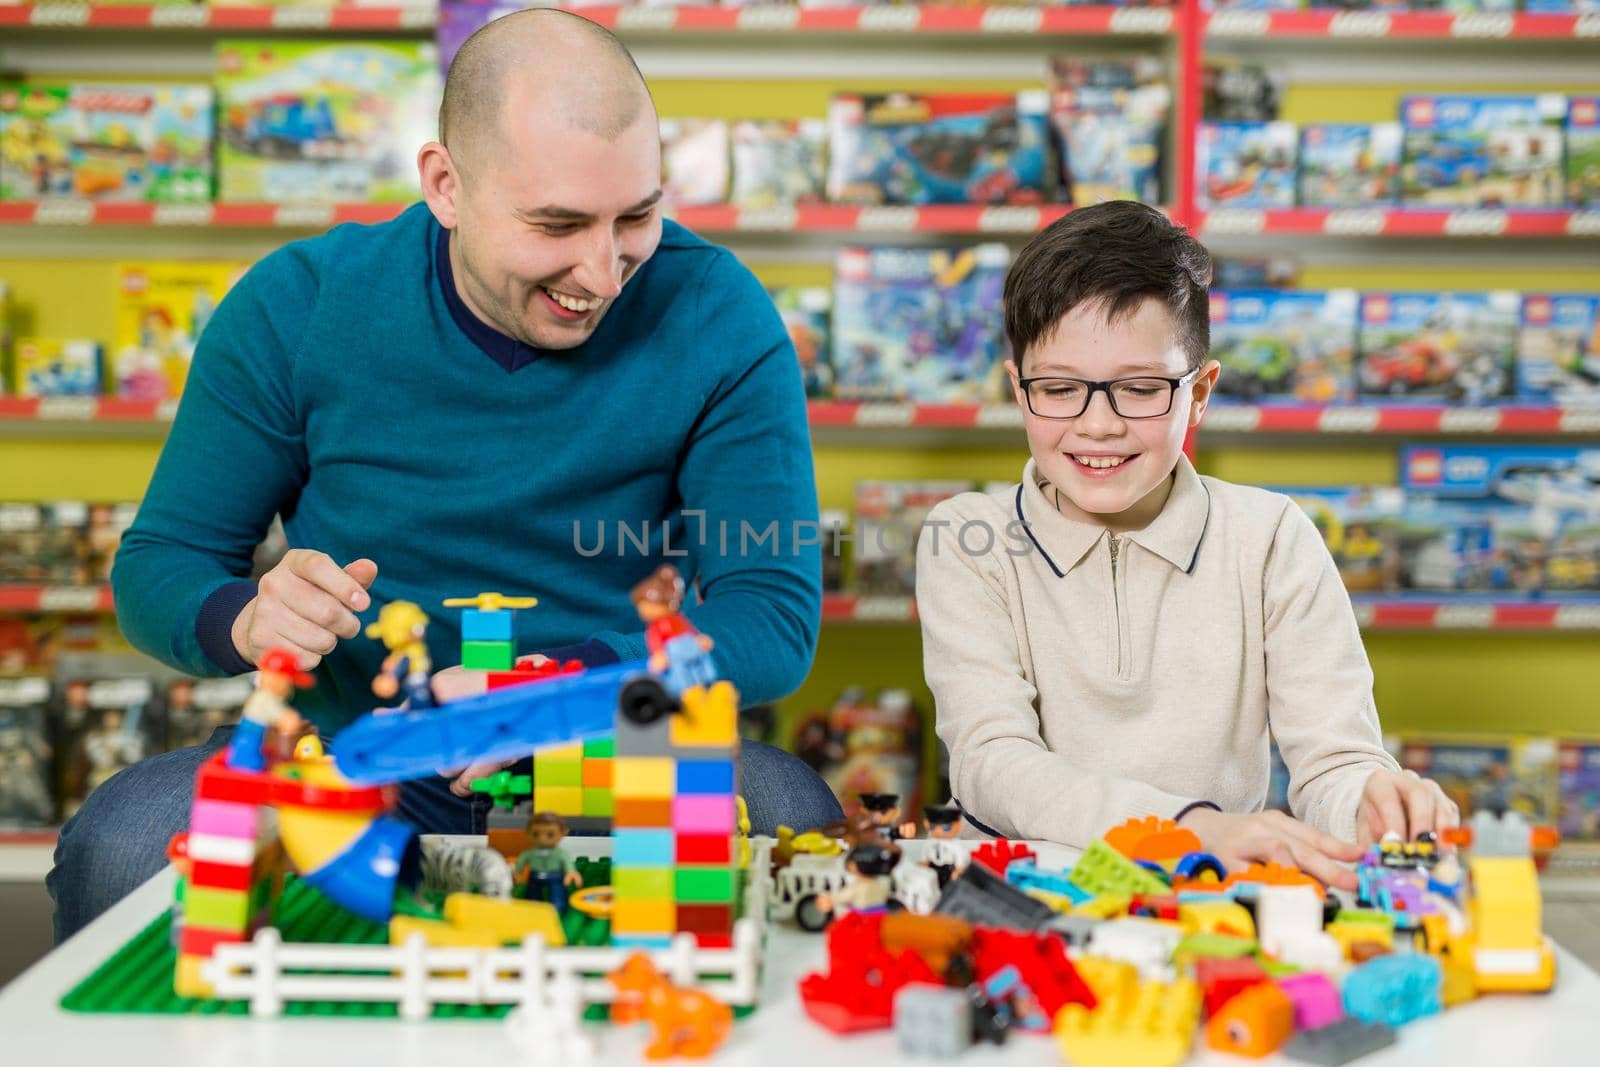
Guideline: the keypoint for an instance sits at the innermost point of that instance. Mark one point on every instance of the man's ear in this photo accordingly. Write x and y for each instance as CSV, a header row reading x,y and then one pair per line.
x,y
1203,387
441,182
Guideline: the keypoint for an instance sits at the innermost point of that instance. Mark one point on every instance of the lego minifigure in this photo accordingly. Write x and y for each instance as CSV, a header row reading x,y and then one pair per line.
x,y
546,870
402,627
279,674
942,854
870,864
882,812
679,653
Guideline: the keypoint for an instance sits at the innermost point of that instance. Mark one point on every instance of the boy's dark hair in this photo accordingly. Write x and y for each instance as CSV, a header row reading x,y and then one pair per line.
x,y
1116,254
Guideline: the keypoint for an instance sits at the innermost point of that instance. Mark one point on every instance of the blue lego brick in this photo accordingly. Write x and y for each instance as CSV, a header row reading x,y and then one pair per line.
x,y
642,848
705,777
485,625
641,940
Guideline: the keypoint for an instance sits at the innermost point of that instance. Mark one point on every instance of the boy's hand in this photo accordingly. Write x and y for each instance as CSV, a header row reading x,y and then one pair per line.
x,y
1405,803
306,604
1273,837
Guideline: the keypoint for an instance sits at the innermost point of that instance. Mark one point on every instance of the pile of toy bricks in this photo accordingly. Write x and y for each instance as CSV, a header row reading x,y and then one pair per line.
x,y
1147,942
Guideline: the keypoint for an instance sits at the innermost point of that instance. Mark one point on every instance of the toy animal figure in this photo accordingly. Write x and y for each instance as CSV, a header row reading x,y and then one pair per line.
x,y
449,868
687,1022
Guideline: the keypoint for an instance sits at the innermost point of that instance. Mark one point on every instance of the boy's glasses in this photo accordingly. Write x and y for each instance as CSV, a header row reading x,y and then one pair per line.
x,y
1131,398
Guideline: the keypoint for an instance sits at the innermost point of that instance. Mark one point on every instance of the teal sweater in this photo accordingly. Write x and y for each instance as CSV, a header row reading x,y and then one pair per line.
x,y
343,385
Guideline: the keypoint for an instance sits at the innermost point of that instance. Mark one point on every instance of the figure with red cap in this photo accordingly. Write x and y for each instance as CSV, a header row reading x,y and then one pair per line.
x,y
265,708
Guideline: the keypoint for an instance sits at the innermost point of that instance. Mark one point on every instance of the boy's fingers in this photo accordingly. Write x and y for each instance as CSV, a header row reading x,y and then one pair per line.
x,y
1420,807
1385,800
1327,844
1323,868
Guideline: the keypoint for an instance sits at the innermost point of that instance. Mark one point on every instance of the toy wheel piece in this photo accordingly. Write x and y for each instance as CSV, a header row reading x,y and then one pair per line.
x,y
644,701
596,902
809,916
1196,866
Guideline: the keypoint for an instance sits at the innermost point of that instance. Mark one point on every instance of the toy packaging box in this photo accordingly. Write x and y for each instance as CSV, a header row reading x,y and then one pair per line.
x,y
1504,517
1346,164
1583,149
1110,119
1361,527
1452,346
1483,151
867,746
193,707
939,148
694,162
161,309
919,324
1240,92
145,143
1488,773
314,122
65,542
806,312
1246,164
1578,789
27,801
1255,272
889,518
778,161
106,725
1285,346
49,366
1558,354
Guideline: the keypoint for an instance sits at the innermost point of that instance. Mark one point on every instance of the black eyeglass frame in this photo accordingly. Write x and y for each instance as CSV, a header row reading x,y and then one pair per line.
x,y
1173,385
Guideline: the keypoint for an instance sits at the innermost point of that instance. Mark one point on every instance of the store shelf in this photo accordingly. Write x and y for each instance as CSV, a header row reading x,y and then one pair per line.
x,y
929,19
1402,25
267,216
1401,222
26,856
222,19
32,599
1373,614
77,417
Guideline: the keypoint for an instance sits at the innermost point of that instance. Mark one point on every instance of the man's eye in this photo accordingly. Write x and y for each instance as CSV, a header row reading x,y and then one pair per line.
x,y
637,220
557,229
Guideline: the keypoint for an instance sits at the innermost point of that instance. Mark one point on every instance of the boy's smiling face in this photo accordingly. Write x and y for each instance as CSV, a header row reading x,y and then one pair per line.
x,y
1112,471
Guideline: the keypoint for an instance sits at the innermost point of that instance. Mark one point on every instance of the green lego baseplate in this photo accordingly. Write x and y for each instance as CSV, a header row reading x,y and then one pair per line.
x,y
1102,869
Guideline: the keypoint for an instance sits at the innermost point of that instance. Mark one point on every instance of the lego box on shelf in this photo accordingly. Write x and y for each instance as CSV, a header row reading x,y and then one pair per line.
x,y
1345,164
1452,346
919,324
161,309
1110,119
1558,355
1583,150
193,707
778,161
807,312
1361,527
939,148
694,162
105,725
1486,773
1234,91
50,366
1578,778
1246,164
862,745
888,522
27,801
316,122
1483,151
1285,346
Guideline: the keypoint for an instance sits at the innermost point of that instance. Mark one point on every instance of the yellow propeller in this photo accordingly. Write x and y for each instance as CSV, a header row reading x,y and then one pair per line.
x,y
491,602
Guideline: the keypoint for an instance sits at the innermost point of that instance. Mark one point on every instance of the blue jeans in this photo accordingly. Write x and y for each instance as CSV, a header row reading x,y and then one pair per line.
x,y
118,839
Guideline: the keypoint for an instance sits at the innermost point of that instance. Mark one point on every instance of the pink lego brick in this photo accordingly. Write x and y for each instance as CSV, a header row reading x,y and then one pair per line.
x,y
703,814
1316,1000
223,818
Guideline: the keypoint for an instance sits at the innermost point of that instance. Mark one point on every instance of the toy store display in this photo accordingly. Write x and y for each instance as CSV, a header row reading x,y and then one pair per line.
x,y
27,794
1454,346
1484,151
140,143
161,310
807,313
865,746
66,542
919,324
1296,346
192,708
304,121
694,162
778,162
1578,789
104,726
1583,151
1110,118
1349,164
889,519
50,366
1558,351
1361,527
1487,773
1246,164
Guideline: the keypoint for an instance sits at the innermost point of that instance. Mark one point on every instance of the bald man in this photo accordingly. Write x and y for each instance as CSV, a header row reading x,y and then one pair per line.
x,y
531,383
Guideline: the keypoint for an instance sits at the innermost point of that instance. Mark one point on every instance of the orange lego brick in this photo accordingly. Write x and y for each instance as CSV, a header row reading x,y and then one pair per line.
x,y
1254,1022
1152,839
1274,874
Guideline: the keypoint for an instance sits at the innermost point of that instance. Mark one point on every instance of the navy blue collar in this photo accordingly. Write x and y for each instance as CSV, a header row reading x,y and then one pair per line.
x,y
509,352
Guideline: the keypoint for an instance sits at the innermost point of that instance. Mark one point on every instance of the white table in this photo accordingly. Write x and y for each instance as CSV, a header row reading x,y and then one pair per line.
x,y
1560,1028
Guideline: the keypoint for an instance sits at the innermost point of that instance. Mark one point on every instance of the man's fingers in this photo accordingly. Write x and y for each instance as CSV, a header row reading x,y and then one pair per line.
x,y
314,604
364,571
320,570
462,786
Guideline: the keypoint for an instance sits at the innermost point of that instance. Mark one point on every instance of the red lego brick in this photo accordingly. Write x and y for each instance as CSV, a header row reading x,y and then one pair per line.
x,y
371,798
714,940
1154,906
995,855
1042,962
642,811
710,849
207,875
202,941
1221,980
705,918
218,781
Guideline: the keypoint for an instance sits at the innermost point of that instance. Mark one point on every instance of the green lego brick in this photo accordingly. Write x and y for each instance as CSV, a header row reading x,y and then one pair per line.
x,y
643,883
547,773
1365,915
488,655
1216,946
1102,869
600,747
703,885
598,802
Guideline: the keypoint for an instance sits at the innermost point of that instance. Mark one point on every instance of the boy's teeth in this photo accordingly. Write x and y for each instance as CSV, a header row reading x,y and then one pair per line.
x,y
1100,462
574,305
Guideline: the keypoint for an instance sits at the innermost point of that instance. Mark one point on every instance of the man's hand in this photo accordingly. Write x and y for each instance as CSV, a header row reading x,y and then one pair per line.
x,y
455,683
1273,837
305,604
1405,803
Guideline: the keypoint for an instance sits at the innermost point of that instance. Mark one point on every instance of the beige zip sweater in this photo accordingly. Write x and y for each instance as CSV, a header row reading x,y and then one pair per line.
x,y
1073,694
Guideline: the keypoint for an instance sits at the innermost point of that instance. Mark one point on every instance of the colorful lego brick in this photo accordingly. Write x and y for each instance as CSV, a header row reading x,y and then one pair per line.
x,y
1315,998
598,803
196,940
643,776
1227,917
1196,947
642,811
642,848
187,980
1152,839
597,773
642,883
1254,1023
1510,884
225,819
563,800
1349,934
643,916
703,814
488,655
507,679
1394,990
572,753
217,781
703,885
557,774
649,739
599,748
234,851
643,941
221,876
1102,869
704,849
1151,1026
1338,1043
1223,979
705,918
699,776
486,625
710,718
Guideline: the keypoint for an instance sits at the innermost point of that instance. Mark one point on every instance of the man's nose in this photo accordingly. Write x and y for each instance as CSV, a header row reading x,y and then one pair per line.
x,y
600,271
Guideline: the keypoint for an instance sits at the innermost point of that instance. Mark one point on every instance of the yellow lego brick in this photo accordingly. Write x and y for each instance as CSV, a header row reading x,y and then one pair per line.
x,y
644,917
186,980
1349,934
1460,983
509,921
644,776
1217,917
561,799
1104,906
1505,905
710,717
562,753
1532,970
1153,1026
1107,978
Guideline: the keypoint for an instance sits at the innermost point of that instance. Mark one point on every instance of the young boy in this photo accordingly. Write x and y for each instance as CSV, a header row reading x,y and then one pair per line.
x,y
1116,635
